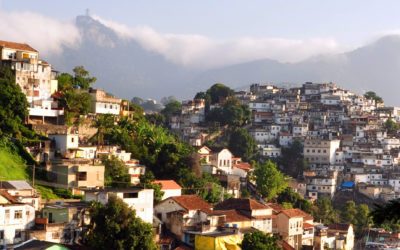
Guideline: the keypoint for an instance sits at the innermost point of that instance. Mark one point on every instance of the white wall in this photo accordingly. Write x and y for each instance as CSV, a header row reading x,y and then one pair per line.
x,y
9,223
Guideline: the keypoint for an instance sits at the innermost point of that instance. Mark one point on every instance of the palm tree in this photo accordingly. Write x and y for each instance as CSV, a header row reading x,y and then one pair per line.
x,y
103,123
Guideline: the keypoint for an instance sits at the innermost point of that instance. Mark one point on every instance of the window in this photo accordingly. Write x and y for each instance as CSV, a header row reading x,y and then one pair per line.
x,y
55,235
1,234
18,233
81,176
72,139
130,195
18,214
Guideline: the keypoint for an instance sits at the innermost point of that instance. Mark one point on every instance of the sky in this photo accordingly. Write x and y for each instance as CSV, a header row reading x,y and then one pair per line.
x,y
188,32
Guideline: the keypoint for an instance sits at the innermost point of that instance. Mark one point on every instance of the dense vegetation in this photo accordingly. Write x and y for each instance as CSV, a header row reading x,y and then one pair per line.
x,y
387,215
260,241
162,153
373,96
269,180
115,226
75,98
14,108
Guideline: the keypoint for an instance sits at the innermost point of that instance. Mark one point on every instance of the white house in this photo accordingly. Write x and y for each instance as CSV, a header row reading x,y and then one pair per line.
x,y
135,170
169,187
64,142
22,191
15,219
181,213
140,200
104,103
322,184
285,139
222,160
270,150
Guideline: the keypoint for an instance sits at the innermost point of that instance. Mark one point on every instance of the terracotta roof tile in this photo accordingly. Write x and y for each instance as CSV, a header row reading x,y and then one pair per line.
x,y
307,225
243,165
167,184
18,46
240,204
232,215
295,212
276,207
7,196
192,202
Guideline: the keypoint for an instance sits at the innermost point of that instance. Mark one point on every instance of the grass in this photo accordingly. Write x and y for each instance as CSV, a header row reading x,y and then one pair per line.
x,y
46,192
12,166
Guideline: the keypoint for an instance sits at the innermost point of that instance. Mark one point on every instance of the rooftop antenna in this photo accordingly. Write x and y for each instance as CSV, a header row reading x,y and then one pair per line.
x,y
87,12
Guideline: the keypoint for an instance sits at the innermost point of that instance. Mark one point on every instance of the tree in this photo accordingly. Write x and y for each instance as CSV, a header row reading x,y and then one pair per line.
x,y
391,126
156,119
260,241
116,173
242,144
292,159
373,96
295,199
362,218
166,100
219,92
65,81
207,187
115,226
232,113
172,108
76,103
348,214
13,105
103,123
387,214
269,180
323,211
82,78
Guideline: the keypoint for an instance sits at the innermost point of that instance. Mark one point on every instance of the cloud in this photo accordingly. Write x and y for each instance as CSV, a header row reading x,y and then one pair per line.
x,y
45,34
50,35
202,52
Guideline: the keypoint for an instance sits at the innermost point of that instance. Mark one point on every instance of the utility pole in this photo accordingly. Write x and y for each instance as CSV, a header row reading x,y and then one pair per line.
x,y
33,175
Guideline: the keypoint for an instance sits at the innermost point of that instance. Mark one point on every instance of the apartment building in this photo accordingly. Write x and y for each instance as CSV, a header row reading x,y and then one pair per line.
x,y
320,151
36,78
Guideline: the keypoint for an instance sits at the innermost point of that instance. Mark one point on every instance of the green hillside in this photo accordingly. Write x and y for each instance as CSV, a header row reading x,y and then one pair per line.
x,y
12,166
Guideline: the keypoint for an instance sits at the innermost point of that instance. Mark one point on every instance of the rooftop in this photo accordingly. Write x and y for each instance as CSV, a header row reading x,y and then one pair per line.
x,y
17,46
167,184
240,204
295,212
192,202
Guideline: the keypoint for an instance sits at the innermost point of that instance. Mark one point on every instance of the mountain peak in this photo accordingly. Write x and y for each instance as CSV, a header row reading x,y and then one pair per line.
x,y
94,31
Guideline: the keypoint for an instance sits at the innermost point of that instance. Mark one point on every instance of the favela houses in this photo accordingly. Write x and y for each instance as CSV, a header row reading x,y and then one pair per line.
x,y
156,125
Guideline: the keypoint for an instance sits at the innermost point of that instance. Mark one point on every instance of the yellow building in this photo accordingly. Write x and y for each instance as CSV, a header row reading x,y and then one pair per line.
x,y
218,241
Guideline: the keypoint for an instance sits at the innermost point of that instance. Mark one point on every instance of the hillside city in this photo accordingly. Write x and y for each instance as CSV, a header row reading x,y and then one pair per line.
x,y
309,167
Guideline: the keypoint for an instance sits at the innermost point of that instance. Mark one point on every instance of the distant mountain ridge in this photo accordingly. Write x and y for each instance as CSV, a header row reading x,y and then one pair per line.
x,y
124,68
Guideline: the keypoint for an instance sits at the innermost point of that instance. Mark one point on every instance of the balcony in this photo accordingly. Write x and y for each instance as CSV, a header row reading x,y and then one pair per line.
x,y
39,111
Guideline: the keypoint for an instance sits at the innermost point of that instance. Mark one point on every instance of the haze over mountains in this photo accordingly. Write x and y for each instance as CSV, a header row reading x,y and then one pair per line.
x,y
126,69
